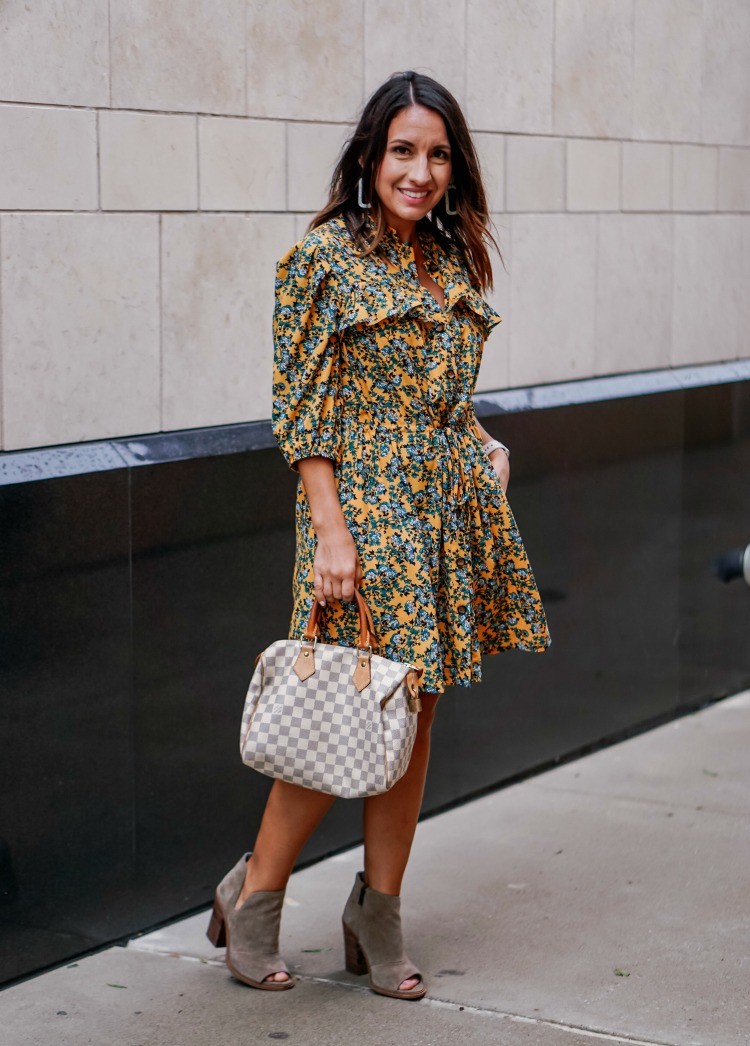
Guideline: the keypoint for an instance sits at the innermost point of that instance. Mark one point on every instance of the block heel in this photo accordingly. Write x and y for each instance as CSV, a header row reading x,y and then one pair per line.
x,y
353,955
217,931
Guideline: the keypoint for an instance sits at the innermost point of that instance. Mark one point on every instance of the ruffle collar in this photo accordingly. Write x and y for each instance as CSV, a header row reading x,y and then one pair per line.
x,y
383,299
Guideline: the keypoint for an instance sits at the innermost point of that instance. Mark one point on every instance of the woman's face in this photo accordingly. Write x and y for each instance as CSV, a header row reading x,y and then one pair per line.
x,y
416,168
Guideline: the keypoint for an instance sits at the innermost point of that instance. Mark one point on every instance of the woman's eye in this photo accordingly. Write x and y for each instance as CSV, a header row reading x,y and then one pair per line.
x,y
441,154
400,149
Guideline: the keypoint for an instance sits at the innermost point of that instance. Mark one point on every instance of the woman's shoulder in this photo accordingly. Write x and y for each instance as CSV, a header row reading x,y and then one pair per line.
x,y
329,243
317,262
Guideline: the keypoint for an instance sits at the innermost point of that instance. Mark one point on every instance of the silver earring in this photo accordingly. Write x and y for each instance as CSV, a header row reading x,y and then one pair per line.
x,y
364,206
448,209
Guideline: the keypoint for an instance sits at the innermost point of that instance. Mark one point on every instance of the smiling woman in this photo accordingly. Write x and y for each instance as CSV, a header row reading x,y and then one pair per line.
x,y
379,329
413,143
416,169
414,176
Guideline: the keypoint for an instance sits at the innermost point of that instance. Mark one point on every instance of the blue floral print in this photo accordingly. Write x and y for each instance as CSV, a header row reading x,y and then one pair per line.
x,y
372,373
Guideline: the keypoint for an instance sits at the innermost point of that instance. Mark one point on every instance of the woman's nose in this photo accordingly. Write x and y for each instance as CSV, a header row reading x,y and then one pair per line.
x,y
420,170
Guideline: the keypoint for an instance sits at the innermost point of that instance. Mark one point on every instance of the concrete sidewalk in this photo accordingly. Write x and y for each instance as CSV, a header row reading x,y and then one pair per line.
x,y
606,901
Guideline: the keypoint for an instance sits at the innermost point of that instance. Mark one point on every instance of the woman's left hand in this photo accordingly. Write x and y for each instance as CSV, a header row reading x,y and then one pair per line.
x,y
501,464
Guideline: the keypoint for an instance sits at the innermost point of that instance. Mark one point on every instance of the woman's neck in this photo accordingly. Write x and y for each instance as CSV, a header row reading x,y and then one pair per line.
x,y
406,231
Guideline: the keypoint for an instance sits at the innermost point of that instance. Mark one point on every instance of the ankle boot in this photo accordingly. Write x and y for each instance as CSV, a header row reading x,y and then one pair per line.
x,y
251,934
373,942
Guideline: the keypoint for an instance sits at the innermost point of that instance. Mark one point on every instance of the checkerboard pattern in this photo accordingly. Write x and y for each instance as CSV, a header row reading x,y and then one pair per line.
x,y
322,733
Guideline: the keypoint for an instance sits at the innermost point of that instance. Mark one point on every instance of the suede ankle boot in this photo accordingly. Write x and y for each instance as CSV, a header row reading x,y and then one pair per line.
x,y
251,934
373,941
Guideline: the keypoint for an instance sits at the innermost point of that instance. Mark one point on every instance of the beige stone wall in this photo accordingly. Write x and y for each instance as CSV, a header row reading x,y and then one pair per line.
x,y
156,159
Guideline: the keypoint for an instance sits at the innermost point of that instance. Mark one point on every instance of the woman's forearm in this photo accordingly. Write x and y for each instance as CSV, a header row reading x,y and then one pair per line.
x,y
322,494
336,568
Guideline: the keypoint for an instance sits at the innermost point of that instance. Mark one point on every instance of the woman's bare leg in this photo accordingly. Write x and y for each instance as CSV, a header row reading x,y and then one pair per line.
x,y
291,816
390,819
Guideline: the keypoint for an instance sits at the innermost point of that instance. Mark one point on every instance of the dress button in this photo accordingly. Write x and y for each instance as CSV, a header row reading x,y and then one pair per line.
x,y
439,328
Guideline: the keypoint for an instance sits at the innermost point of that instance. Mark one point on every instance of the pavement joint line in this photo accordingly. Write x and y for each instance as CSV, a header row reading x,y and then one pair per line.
x,y
431,1000
638,799
166,954
518,1018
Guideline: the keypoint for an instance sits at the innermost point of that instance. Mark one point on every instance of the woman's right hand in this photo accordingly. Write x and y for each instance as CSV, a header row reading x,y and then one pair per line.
x,y
336,567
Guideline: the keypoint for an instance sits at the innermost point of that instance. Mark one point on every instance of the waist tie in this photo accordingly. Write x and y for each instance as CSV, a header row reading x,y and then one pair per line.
x,y
456,481
451,465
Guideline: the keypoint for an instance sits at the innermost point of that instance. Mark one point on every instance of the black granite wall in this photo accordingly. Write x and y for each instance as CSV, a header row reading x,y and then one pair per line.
x,y
139,579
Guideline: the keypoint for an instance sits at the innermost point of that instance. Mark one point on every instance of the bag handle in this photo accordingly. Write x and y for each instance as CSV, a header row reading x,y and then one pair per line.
x,y
367,636
305,664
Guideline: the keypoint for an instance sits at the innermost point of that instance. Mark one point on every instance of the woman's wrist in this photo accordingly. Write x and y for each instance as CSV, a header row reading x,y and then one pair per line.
x,y
494,445
331,530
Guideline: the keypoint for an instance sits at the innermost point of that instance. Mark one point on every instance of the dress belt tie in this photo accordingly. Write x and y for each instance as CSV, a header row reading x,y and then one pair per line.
x,y
455,475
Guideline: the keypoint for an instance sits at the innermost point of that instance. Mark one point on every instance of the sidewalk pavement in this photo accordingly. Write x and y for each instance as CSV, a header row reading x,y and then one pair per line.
x,y
605,901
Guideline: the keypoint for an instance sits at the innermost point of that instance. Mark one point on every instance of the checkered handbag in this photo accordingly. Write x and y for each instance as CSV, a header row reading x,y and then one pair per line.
x,y
336,719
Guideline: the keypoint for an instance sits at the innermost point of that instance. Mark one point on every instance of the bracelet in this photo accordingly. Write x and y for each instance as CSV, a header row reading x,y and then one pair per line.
x,y
494,444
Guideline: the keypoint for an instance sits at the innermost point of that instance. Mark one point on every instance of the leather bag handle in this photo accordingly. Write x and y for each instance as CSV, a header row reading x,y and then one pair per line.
x,y
367,635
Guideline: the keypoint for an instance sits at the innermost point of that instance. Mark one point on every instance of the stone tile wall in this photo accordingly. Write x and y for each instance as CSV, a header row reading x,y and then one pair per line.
x,y
155,161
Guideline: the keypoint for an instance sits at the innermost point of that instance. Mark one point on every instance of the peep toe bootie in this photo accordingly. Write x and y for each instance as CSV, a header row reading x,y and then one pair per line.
x,y
251,934
373,941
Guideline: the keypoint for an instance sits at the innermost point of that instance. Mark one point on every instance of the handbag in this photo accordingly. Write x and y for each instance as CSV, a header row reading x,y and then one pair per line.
x,y
335,719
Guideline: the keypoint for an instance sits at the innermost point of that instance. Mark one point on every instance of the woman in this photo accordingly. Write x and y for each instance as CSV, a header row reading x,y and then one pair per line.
x,y
378,330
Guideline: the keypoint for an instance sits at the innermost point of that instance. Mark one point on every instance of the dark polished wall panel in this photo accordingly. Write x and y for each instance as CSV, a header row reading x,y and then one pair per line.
x,y
135,596
211,584
714,637
65,715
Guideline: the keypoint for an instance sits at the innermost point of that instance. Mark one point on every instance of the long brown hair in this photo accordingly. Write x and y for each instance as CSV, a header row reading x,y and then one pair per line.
x,y
468,230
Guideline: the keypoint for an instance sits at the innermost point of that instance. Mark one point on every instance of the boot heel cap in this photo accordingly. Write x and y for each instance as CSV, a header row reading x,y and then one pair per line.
x,y
216,931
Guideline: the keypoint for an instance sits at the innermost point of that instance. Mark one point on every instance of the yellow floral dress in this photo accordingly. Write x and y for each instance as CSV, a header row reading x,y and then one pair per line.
x,y
370,372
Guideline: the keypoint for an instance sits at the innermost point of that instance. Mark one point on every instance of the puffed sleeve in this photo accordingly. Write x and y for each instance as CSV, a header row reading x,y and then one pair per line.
x,y
305,413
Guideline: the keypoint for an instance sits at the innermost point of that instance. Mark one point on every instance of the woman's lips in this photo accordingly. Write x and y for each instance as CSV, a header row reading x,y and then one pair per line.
x,y
418,198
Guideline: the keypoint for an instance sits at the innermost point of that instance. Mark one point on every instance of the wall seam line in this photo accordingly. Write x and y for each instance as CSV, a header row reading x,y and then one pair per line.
x,y
131,637
466,55
672,176
140,111
98,163
553,125
632,68
674,293
198,200
109,52
703,68
597,232
509,226
363,95
672,238
247,67
12,103
161,322
2,325
564,207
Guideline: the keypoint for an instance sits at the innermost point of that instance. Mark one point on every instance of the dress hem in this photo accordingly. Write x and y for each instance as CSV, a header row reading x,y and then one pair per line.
x,y
452,679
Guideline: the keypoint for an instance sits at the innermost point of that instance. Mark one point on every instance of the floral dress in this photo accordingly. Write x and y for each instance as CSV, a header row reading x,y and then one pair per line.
x,y
370,372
